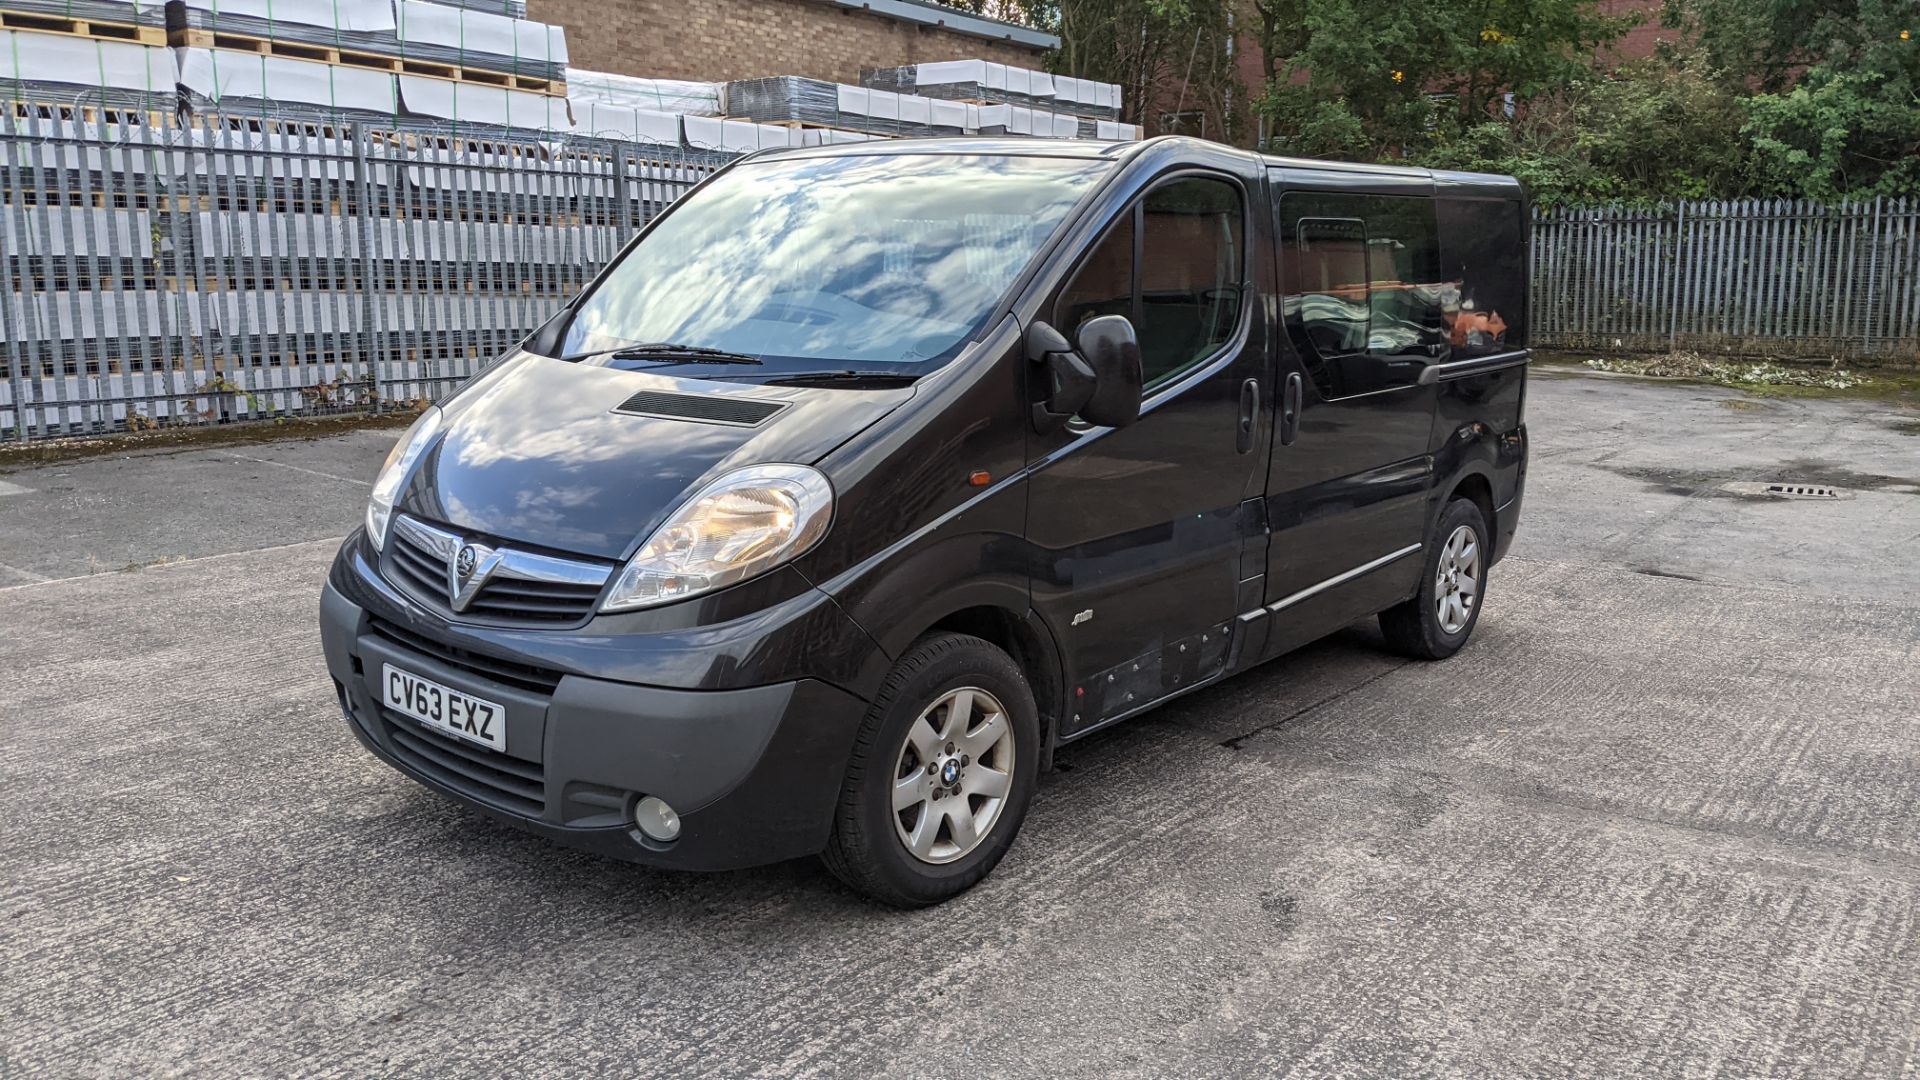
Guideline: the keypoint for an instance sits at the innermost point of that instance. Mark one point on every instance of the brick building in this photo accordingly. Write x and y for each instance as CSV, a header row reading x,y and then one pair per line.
x,y
718,40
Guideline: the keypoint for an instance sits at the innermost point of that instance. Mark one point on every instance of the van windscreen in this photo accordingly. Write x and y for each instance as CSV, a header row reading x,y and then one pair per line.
x,y
891,259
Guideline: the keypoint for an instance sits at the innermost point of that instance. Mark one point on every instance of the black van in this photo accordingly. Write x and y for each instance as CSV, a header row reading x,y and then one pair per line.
x,y
868,475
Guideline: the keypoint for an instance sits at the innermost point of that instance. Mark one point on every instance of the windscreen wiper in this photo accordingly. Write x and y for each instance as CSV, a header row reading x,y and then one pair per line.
x,y
686,354
874,379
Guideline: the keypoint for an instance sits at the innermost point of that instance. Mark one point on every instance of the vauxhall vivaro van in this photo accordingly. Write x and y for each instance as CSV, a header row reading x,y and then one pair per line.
x,y
868,475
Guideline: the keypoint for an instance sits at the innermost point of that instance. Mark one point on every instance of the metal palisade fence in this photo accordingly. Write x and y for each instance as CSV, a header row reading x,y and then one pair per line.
x,y
163,270
166,271
1756,276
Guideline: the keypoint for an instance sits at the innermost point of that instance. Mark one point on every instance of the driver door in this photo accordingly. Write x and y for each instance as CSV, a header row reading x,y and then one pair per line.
x,y
1141,530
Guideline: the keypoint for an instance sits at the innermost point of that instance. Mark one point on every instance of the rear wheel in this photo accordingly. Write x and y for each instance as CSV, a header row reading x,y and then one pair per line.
x,y
941,774
1437,622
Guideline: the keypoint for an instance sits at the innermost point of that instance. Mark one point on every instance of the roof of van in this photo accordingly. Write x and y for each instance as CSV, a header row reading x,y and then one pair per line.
x,y
1484,184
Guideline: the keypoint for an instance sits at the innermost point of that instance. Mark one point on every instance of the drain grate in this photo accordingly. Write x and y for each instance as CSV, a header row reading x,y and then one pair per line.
x,y
1803,491
1786,490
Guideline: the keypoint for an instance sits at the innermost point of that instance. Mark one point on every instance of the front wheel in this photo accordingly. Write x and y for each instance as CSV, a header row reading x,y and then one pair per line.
x,y
940,776
1439,619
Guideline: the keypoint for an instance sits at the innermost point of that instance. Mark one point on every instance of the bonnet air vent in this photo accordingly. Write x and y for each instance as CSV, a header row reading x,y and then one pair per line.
x,y
701,408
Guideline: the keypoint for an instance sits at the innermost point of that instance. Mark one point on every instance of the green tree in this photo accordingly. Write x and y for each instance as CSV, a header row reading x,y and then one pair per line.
x,y
1850,125
1167,56
1666,127
1396,77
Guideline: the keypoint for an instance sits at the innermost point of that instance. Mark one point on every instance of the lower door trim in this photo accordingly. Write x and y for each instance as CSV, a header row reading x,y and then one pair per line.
x,y
1339,579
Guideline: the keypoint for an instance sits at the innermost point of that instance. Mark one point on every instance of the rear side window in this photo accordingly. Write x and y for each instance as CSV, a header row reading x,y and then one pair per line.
x,y
1483,248
1363,297
1332,275
1173,265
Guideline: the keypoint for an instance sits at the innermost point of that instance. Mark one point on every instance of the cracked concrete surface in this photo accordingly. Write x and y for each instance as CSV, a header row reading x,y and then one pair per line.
x,y
1662,817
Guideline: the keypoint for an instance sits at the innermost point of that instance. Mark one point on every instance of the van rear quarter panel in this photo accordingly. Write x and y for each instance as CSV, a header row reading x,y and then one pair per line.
x,y
1483,227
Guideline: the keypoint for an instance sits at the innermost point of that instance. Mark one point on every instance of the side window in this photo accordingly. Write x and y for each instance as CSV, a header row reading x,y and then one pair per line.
x,y
1104,283
1181,288
1189,274
1330,263
1363,300
1485,247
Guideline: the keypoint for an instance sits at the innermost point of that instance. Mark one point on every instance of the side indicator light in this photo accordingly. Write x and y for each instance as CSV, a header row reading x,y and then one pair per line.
x,y
980,478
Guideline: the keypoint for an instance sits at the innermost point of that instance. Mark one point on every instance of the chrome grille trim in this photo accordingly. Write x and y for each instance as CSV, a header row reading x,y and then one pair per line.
x,y
521,587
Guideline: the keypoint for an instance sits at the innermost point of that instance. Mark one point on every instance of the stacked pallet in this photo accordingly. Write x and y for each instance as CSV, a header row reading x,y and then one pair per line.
x,y
792,101
407,62
1023,102
104,20
100,57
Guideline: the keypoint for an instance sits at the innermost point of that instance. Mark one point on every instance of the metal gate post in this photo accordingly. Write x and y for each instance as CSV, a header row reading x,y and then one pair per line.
x,y
624,204
1679,245
363,228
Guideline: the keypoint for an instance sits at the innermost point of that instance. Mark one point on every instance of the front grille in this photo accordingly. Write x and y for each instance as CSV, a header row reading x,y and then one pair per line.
x,y
477,772
524,588
540,680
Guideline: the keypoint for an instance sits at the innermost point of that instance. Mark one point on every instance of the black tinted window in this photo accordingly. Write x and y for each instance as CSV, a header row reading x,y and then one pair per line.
x,y
1331,271
1364,301
1189,274
1104,283
1483,243
1181,289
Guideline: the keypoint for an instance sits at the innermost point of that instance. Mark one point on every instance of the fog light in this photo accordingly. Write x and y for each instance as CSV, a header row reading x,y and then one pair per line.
x,y
656,819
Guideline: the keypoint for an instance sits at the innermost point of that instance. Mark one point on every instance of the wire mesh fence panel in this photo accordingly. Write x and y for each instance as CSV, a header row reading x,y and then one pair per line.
x,y
168,270
162,269
1758,276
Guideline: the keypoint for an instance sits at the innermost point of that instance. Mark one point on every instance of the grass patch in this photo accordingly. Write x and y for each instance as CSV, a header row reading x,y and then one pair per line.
x,y
27,455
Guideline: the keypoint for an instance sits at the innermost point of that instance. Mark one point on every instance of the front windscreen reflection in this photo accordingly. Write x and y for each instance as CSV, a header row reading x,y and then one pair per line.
x,y
893,259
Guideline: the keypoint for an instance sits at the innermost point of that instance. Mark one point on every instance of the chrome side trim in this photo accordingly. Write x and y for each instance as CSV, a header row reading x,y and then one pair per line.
x,y
1341,579
1479,365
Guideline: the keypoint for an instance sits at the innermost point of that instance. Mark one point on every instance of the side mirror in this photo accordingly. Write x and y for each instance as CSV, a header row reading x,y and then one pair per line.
x,y
1097,380
1110,348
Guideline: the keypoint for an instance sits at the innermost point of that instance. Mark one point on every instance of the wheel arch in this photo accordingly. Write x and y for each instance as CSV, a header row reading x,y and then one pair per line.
x,y
1022,636
1473,482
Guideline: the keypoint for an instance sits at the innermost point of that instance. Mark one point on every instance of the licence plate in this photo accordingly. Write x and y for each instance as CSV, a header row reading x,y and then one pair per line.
x,y
462,715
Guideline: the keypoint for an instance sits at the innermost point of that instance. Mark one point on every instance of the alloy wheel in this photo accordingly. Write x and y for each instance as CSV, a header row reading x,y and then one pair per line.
x,y
953,775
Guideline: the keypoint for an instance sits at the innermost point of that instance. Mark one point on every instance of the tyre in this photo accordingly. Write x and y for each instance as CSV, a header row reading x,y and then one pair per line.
x,y
940,776
1439,619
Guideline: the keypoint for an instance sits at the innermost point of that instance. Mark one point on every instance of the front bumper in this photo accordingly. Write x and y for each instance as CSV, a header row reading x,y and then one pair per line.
x,y
754,772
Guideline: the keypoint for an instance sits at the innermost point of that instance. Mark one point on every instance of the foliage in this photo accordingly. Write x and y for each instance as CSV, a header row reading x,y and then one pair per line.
x,y
1168,56
1667,127
1851,124
1405,74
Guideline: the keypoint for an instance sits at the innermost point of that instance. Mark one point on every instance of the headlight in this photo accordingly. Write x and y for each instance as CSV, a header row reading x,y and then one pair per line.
x,y
742,524
386,486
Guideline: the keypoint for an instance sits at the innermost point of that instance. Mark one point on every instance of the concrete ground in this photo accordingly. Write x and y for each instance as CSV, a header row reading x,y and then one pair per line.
x,y
1662,817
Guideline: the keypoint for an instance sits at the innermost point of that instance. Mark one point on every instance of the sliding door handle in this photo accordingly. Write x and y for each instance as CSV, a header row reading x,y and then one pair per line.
x,y
1290,402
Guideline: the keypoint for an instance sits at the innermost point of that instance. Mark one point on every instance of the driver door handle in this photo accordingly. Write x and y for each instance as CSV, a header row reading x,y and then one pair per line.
x,y
1249,415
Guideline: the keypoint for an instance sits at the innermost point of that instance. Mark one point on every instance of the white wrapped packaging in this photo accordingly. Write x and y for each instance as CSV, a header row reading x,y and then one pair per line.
x,y
78,61
737,136
474,103
463,31
609,121
372,16
660,95
222,74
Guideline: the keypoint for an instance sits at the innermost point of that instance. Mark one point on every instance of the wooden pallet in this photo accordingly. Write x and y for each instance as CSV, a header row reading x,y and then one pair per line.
x,y
82,28
68,111
364,60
